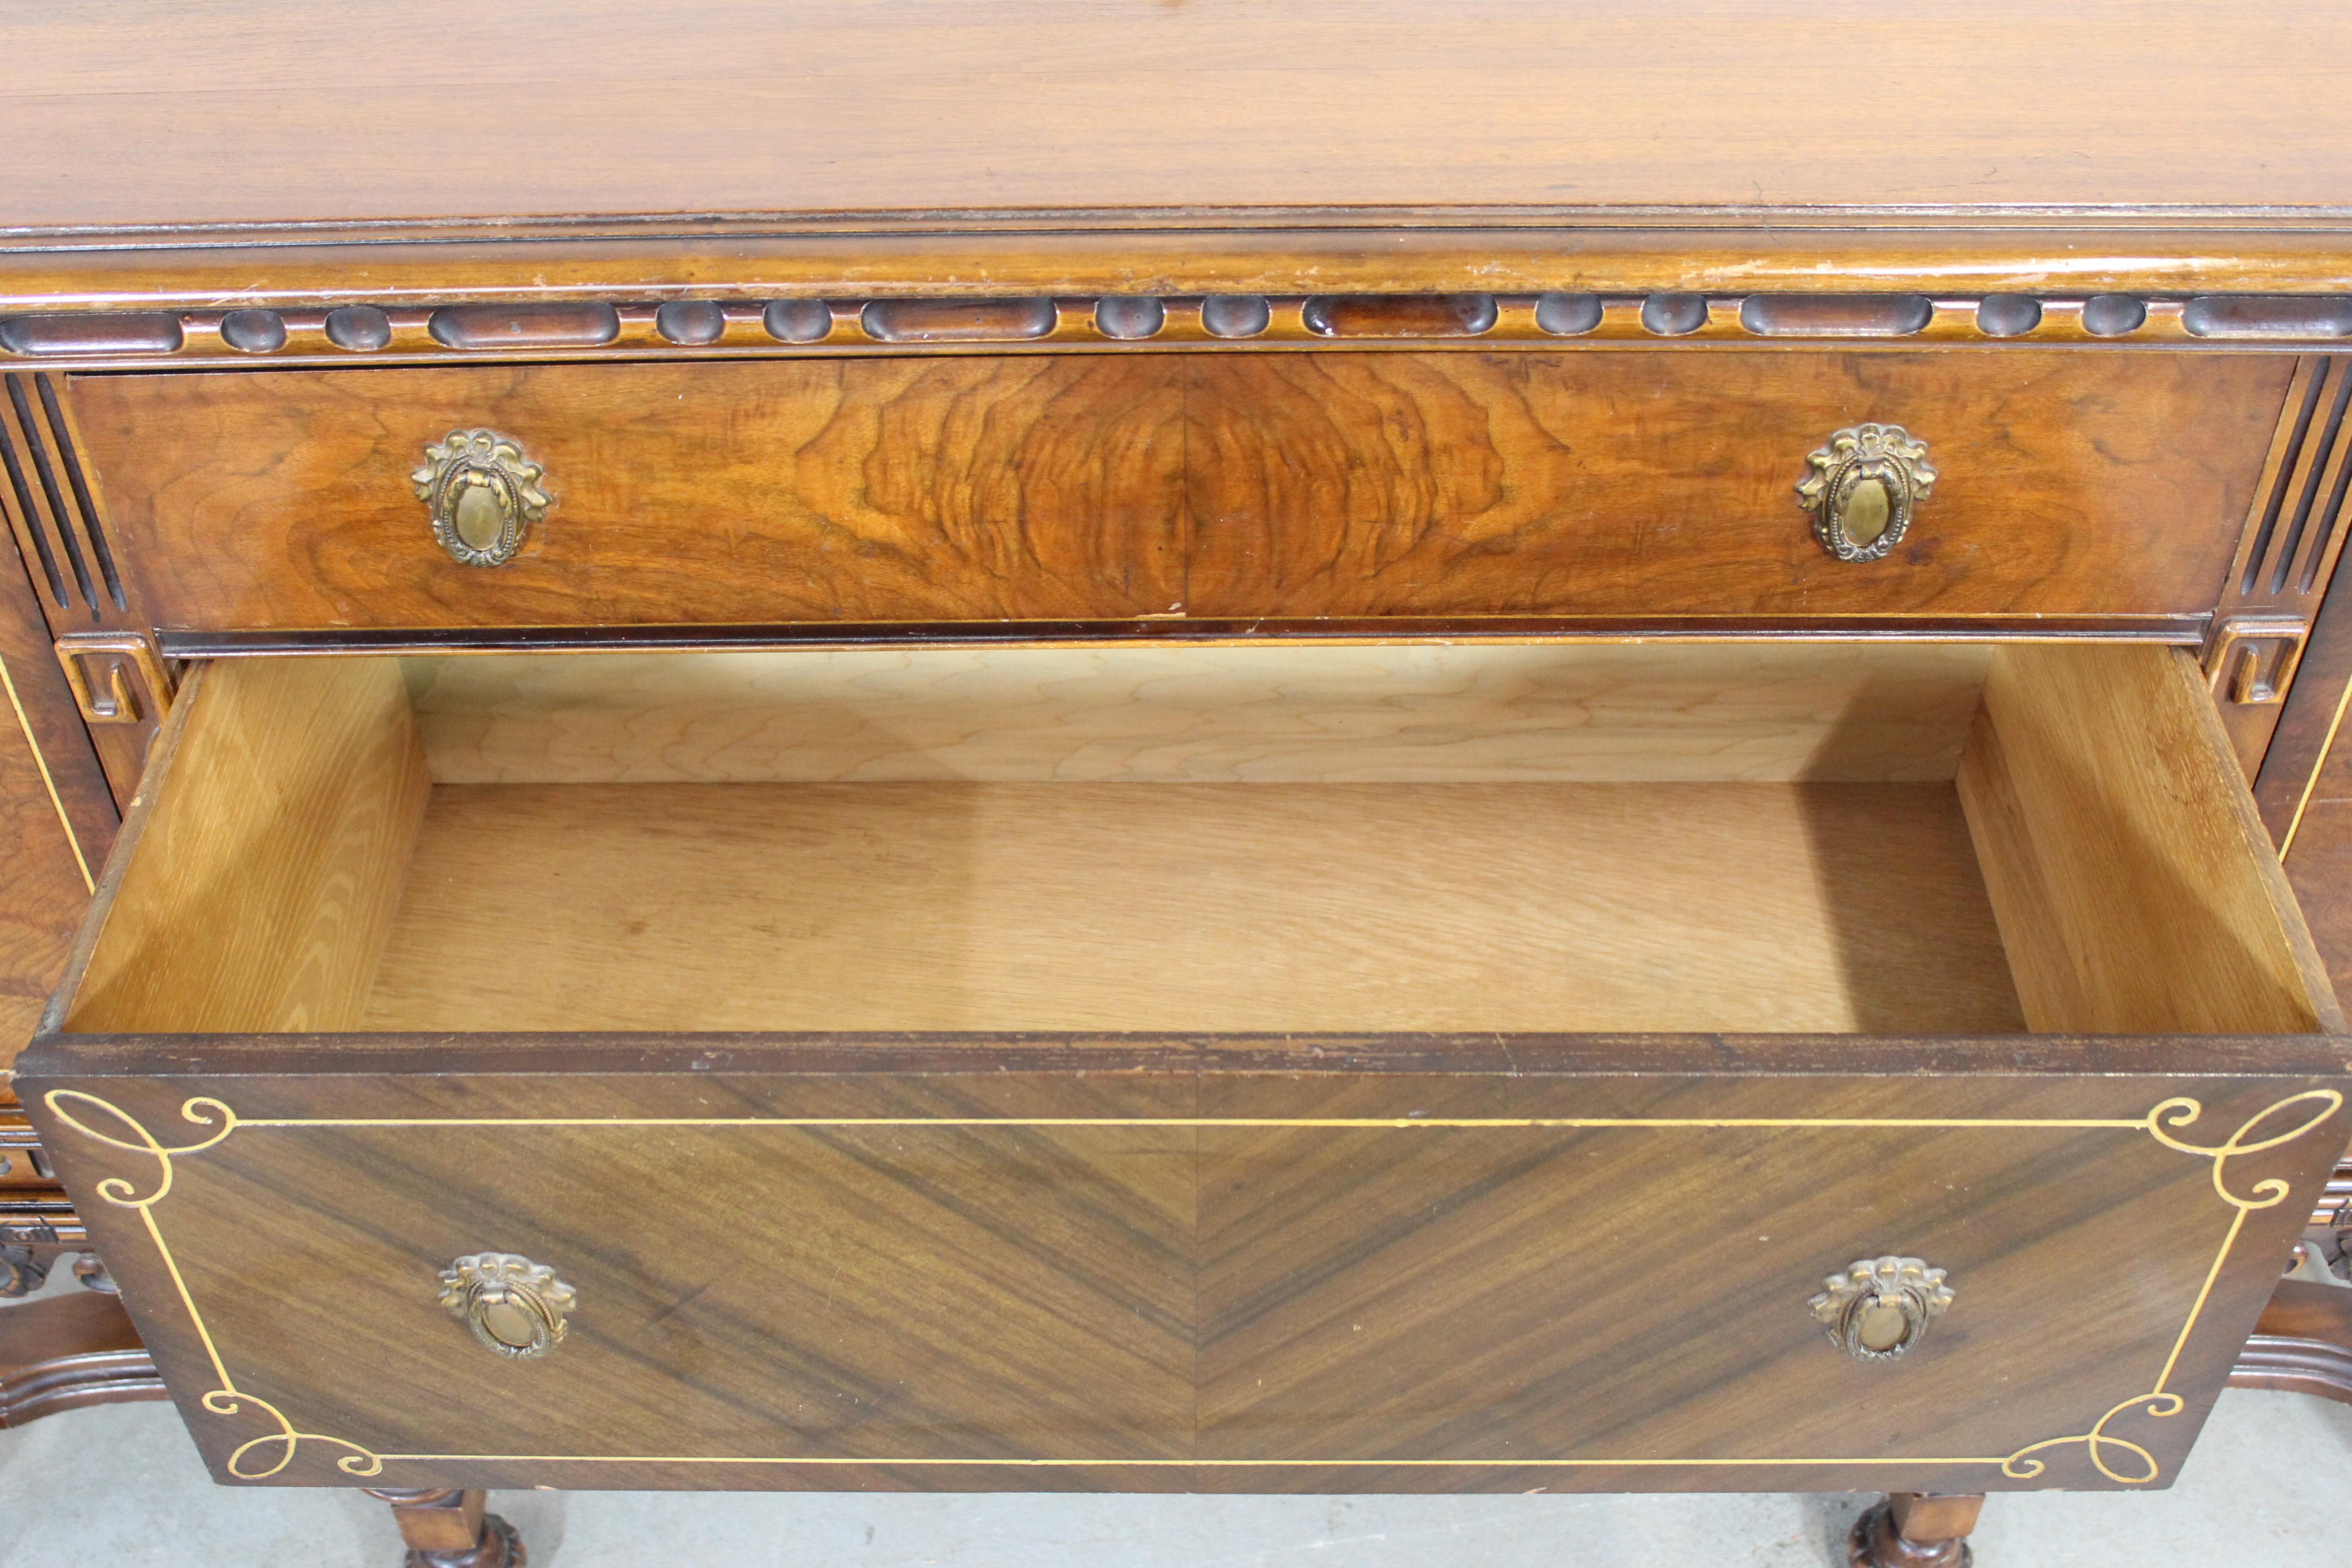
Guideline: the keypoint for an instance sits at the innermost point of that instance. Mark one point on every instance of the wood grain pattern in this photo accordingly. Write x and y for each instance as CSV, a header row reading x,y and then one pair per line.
x,y
2134,884
1627,484
1366,485
1095,104
1425,713
42,897
269,836
57,817
955,1288
951,490
2319,869
1210,906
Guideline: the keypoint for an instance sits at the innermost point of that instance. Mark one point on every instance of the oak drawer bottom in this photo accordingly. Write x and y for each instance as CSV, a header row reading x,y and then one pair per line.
x,y
1810,907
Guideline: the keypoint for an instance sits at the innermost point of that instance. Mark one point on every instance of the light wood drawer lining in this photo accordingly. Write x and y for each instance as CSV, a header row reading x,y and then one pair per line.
x,y
2093,790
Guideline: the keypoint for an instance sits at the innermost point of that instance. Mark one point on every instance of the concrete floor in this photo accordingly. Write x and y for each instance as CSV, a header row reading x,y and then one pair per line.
x,y
121,1488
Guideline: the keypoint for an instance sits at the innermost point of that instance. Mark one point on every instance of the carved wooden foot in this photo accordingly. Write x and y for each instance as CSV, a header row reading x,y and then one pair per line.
x,y
446,1528
67,1352
1915,1530
21,1271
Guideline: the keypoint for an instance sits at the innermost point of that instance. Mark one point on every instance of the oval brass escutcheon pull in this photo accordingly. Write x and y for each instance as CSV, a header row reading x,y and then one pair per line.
x,y
515,1307
1864,485
481,493
1879,1309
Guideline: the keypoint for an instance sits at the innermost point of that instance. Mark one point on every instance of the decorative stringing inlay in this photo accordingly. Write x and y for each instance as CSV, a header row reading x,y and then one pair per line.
x,y
682,327
2164,1123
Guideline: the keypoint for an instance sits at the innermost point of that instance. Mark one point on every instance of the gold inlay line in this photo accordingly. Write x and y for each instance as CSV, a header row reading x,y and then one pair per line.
x,y
1172,1464
2318,766
2120,1124
42,763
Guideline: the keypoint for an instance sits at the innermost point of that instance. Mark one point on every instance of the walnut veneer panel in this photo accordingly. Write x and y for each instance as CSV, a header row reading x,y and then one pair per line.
x,y
57,820
2319,868
1325,1263
43,893
1633,484
912,490
1235,486
210,117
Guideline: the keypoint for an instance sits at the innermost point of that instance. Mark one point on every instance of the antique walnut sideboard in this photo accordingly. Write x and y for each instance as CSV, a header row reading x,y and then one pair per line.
x,y
1165,746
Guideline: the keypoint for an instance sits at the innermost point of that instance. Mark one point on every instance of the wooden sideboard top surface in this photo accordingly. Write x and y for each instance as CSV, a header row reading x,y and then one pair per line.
x,y
1090,143
288,113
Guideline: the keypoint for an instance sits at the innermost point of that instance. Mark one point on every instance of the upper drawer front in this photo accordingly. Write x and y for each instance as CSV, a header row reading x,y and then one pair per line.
x,y
1236,486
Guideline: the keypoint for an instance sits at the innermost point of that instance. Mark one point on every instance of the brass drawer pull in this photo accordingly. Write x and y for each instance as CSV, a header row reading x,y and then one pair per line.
x,y
515,1307
1865,483
481,493
1879,1309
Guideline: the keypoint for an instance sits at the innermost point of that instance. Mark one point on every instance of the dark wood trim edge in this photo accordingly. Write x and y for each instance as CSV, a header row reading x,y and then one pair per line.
x,y
2181,631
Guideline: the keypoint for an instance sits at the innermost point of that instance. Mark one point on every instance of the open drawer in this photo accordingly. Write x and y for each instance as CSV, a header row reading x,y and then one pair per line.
x,y
1357,1067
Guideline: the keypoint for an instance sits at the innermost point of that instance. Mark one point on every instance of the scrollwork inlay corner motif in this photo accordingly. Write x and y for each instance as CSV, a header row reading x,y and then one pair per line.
x,y
77,1109
2164,1123
121,1191
267,1456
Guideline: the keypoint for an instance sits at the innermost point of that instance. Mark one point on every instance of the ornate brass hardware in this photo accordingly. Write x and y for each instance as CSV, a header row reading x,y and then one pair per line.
x,y
126,664
481,493
515,1307
1879,1309
1865,484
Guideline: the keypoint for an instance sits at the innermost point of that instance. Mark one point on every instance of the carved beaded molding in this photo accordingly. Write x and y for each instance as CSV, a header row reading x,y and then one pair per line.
x,y
359,331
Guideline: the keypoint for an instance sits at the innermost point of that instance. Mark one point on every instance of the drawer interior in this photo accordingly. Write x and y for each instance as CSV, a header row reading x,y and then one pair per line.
x,y
1883,837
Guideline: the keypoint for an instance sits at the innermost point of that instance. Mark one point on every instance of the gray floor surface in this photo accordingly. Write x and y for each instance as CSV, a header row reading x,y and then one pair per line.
x,y
121,1486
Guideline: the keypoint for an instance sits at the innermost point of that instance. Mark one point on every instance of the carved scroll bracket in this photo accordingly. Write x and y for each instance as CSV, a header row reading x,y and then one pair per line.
x,y
117,678
2251,659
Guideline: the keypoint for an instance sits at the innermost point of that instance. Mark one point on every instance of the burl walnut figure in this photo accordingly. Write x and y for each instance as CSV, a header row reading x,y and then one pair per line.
x,y
1118,746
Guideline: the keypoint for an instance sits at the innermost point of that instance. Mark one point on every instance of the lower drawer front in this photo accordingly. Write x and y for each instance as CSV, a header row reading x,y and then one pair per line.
x,y
1153,1265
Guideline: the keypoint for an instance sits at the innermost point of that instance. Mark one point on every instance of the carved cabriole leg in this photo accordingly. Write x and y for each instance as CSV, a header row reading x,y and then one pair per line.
x,y
1915,1530
446,1528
